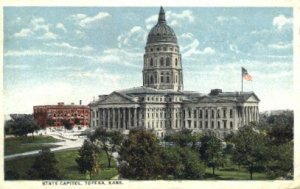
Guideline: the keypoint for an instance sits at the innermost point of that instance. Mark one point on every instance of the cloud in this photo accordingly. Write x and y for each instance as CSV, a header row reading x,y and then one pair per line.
x,y
68,46
174,19
15,53
234,48
85,21
223,19
17,66
23,33
37,95
281,21
78,16
48,35
39,24
191,46
61,26
132,39
186,15
18,19
124,57
280,46
39,29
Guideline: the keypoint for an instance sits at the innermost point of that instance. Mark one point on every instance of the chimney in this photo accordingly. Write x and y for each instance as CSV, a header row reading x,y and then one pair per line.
x,y
80,102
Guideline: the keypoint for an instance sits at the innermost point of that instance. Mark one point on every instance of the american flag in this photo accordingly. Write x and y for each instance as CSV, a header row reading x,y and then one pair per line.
x,y
245,75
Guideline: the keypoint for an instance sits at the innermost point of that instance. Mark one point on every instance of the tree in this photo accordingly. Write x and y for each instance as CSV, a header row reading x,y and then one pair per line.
x,y
281,160
281,127
88,159
140,156
11,175
194,168
280,134
44,166
250,148
173,167
183,138
109,142
67,125
21,125
50,122
211,151
77,121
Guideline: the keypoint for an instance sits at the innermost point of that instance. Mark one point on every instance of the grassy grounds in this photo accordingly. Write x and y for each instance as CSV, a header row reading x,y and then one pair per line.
x,y
67,166
233,173
25,144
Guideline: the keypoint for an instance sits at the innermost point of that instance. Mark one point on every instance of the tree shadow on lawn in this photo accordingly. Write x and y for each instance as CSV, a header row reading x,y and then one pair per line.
x,y
209,176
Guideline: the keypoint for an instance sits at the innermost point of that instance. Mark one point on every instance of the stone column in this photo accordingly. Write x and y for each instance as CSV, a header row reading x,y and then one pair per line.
x,y
119,118
135,118
114,118
104,118
99,118
124,118
129,118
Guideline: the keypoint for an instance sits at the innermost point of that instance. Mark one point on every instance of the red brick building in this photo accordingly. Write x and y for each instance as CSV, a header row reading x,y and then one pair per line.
x,y
57,115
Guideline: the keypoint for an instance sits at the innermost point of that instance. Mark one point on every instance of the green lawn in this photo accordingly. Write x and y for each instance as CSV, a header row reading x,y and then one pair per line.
x,y
25,144
233,174
67,166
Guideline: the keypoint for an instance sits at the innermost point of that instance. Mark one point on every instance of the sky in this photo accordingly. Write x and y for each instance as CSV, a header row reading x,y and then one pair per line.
x,y
67,54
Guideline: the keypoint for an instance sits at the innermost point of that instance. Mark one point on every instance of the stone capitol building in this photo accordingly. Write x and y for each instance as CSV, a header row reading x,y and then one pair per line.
x,y
161,104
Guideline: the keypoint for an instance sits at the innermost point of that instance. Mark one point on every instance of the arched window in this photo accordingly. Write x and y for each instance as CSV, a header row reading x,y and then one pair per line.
x,y
161,61
168,62
151,79
176,61
151,62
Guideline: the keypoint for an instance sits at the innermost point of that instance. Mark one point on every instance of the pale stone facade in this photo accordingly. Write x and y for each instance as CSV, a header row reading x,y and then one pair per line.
x,y
161,104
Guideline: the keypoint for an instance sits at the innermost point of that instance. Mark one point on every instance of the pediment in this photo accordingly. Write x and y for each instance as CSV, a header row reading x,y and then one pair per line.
x,y
252,98
115,98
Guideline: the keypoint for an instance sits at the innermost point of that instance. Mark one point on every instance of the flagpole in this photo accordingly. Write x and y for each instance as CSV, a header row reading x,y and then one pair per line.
x,y
242,79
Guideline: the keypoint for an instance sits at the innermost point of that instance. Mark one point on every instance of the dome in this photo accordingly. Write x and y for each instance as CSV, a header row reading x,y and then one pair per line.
x,y
161,32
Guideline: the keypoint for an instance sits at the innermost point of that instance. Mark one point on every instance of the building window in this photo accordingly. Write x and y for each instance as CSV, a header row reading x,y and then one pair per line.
x,y
224,124
231,113
206,114
168,79
200,114
206,124
231,125
200,124
151,62
212,113
157,49
168,61
195,113
195,124
176,61
161,61
219,125
224,113
189,111
189,122
218,114
165,48
212,125
151,49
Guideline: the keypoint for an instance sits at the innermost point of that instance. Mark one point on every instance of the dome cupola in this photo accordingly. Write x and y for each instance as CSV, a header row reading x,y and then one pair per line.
x,y
161,32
